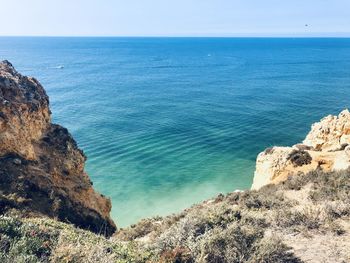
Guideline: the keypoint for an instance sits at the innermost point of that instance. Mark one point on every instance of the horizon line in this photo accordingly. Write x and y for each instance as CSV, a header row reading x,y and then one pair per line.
x,y
248,35
92,36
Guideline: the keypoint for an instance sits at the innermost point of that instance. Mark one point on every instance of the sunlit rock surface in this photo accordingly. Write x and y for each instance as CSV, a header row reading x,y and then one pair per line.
x,y
326,147
41,167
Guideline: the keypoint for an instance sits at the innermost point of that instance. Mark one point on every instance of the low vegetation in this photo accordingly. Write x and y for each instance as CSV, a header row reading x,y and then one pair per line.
x,y
29,240
268,225
299,157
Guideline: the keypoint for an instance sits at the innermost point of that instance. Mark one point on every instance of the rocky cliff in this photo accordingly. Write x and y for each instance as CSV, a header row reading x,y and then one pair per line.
x,y
303,219
41,167
326,147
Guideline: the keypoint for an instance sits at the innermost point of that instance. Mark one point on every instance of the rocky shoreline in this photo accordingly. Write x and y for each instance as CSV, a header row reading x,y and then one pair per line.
x,y
297,211
326,147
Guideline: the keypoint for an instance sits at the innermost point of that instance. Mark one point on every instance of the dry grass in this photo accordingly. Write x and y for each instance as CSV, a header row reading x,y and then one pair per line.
x,y
309,205
238,227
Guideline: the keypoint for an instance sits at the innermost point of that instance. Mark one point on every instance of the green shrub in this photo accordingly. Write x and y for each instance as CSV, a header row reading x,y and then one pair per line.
x,y
333,186
233,244
271,249
309,218
176,255
299,158
295,182
25,242
337,209
265,198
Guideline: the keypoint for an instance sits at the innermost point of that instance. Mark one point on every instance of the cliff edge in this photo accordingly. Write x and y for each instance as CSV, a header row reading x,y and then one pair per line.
x,y
326,147
41,167
305,218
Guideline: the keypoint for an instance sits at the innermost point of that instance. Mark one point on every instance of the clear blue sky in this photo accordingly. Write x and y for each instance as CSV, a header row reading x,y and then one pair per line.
x,y
175,17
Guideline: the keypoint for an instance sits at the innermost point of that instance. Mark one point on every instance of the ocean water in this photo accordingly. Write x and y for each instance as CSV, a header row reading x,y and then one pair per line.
x,y
169,122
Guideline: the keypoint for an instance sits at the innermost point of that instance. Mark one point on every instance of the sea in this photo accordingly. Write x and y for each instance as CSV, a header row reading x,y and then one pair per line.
x,y
169,122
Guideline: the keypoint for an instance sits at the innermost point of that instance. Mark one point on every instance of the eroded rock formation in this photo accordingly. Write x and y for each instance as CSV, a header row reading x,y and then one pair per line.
x,y
41,167
327,147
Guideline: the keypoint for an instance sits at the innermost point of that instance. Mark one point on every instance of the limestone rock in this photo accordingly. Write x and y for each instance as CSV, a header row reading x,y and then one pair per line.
x,y
41,167
331,133
24,112
325,147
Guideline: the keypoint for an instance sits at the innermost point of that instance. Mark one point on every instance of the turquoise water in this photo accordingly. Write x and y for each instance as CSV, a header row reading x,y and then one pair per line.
x,y
168,122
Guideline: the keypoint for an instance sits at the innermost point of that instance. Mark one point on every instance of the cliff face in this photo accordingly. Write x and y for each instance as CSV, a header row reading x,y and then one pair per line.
x,y
41,167
326,147
332,133
24,112
304,219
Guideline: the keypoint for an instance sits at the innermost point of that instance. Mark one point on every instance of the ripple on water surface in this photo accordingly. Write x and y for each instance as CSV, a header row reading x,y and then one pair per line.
x,y
165,125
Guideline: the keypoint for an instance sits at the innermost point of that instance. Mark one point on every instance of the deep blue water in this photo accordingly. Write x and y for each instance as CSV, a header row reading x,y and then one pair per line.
x,y
168,122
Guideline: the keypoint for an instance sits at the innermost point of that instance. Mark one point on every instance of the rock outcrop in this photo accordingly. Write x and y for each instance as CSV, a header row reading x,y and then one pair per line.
x,y
41,167
326,147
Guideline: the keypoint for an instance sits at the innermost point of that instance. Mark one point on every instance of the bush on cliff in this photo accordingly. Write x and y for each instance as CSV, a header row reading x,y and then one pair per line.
x,y
25,242
252,226
245,227
31,240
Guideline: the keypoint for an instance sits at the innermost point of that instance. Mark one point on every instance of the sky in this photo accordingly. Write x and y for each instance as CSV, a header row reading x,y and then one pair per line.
x,y
175,17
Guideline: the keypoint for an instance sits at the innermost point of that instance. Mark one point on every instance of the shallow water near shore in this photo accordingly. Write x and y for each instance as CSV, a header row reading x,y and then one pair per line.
x,y
169,122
